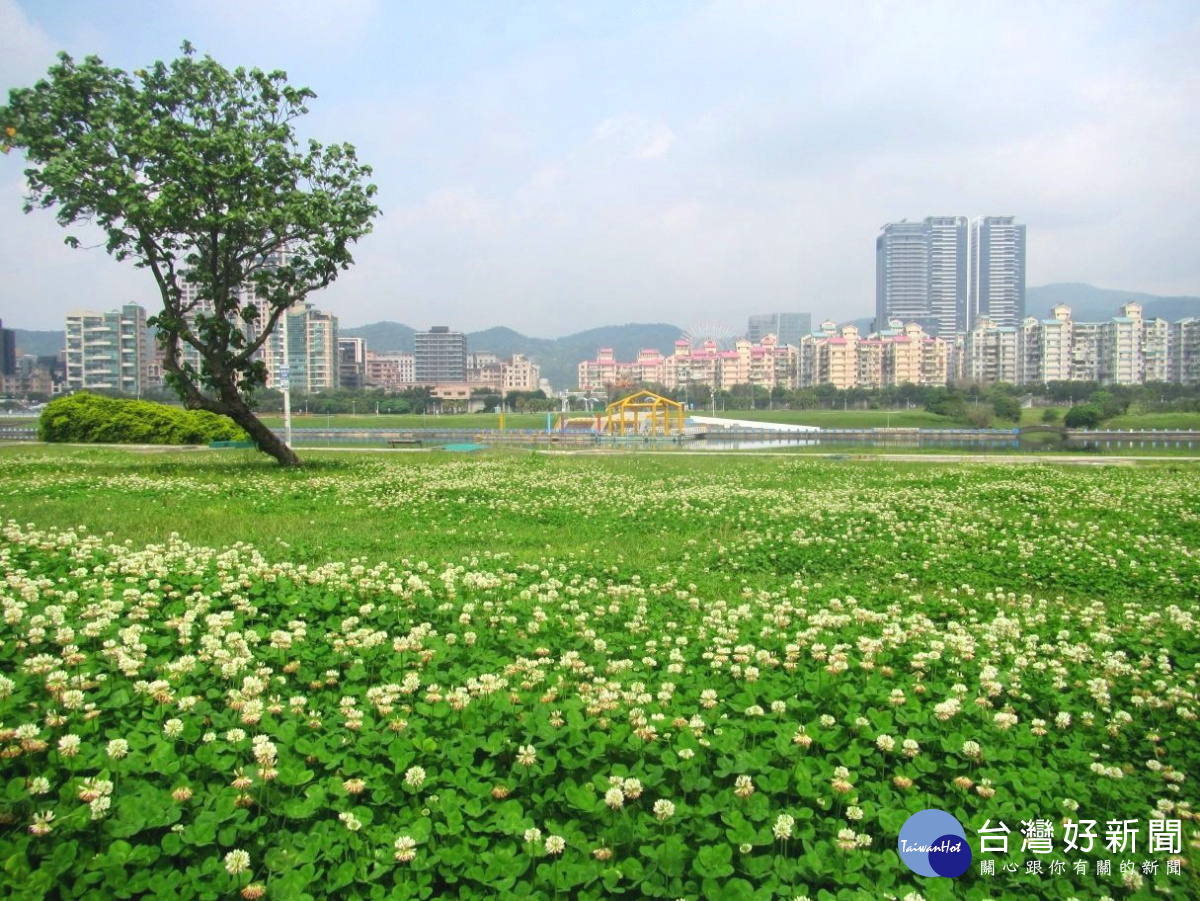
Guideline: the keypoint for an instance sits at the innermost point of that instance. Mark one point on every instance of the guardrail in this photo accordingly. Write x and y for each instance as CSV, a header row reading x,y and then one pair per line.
x,y
18,433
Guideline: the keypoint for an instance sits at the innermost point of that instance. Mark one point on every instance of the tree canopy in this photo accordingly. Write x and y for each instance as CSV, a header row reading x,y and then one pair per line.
x,y
195,172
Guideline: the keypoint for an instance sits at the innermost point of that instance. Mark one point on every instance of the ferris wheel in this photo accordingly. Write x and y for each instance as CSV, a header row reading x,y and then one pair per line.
x,y
710,330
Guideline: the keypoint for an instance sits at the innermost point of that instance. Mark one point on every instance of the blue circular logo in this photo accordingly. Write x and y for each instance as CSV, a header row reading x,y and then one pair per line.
x,y
934,843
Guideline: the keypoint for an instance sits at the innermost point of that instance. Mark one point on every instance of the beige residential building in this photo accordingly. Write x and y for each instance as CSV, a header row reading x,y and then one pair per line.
x,y
767,364
520,374
390,370
109,351
896,356
992,353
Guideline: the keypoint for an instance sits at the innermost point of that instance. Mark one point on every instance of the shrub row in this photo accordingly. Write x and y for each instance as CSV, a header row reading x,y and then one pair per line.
x,y
92,418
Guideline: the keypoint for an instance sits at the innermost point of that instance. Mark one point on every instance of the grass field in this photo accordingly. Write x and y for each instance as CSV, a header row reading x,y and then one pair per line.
x,y
829,419
523,676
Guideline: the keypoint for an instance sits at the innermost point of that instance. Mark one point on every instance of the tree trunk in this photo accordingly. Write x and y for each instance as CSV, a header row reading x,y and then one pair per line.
x,y
227,402
268,442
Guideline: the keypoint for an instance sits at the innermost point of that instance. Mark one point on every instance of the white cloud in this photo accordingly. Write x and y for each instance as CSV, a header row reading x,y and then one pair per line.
x,y
659,145
634,136
25,51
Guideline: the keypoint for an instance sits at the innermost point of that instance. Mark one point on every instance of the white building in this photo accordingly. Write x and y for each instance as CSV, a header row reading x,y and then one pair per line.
x,y
109,351
996,272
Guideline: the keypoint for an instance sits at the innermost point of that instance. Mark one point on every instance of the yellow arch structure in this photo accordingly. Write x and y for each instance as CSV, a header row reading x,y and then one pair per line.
x,y
644,413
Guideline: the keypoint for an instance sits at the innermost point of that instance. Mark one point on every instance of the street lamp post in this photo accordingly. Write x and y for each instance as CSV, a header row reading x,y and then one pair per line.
x,y
285,380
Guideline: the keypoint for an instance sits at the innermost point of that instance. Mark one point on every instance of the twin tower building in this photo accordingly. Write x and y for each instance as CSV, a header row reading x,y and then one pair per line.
x,y
946,273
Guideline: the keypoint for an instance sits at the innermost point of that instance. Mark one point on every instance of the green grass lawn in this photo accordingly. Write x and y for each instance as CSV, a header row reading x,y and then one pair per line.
x,y
413,421
522,676
1181,421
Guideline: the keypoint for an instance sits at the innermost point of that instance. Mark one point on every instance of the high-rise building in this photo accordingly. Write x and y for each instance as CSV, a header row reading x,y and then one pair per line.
x,y
947,237
441,356
305,342
352,362
944,276
902,274
108,351
788,328
8,351
997,272
921,274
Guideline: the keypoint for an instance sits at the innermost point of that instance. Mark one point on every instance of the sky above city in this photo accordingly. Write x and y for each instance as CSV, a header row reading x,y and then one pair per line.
x,y
563,165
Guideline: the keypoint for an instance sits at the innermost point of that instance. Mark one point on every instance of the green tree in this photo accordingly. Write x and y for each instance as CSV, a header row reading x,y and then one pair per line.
x,y
194,172
1083,416
1006,406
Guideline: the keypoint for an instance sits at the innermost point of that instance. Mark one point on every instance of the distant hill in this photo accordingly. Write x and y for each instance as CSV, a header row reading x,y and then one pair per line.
x,y
38,344
383,336
560,358
1091,304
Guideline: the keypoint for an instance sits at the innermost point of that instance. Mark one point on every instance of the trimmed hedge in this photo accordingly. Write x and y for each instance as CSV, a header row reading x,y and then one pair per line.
x,y
93,418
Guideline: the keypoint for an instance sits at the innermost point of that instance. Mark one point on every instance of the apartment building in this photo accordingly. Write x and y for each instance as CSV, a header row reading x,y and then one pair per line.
x,y
108,351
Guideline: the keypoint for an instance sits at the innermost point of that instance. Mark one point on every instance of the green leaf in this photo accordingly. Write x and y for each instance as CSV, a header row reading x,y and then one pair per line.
x,y
714,861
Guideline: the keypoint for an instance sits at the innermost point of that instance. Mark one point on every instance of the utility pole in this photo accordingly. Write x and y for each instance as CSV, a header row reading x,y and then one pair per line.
x,y
285,382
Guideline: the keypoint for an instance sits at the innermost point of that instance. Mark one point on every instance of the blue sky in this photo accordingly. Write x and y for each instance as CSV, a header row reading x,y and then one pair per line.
x,y
557,166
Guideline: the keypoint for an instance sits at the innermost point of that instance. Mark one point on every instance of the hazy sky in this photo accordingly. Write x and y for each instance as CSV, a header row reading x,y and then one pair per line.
x,y
561,165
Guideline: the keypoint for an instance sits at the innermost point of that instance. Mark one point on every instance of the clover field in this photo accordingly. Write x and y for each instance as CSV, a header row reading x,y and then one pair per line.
x,y
422,676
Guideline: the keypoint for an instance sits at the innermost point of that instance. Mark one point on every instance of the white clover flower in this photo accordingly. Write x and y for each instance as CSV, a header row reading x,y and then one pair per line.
x,y
1005,720
533,835
971,750
237,861
885,743
350,821
686,753
555,844
663,810
117,748
743,786
526,755
41,824
68,745
173,728
406,849
414,777
614,798
782,829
